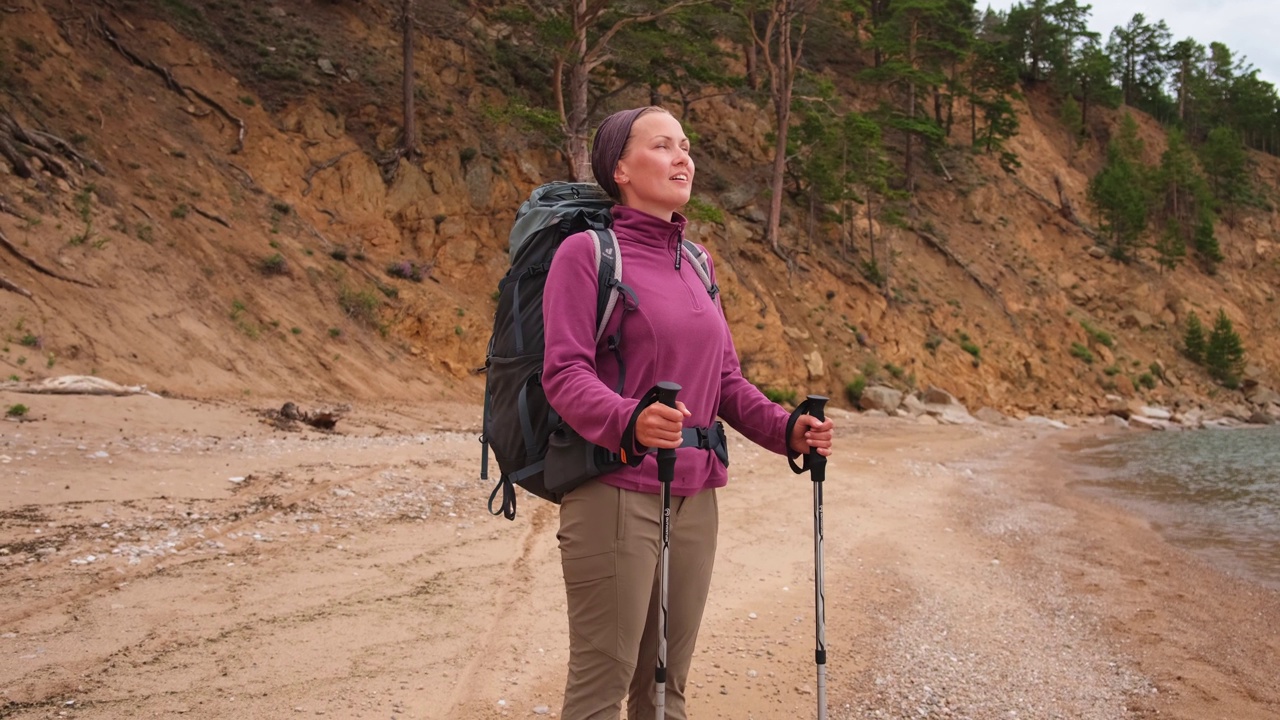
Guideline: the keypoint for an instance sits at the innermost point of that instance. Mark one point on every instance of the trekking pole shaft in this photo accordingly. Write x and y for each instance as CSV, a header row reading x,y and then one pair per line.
x,y
818,469
666,473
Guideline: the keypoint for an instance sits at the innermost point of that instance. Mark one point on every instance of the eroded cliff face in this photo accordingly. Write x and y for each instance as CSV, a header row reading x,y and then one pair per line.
x,y
265,271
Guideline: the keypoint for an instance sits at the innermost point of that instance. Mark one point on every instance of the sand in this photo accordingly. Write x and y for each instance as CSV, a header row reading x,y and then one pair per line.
x,y
166,557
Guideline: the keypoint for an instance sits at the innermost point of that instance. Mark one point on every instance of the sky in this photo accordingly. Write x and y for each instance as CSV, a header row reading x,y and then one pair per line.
x,y
1245,26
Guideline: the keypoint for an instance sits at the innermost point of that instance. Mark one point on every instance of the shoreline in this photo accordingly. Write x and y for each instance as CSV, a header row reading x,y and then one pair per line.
x,y
243,571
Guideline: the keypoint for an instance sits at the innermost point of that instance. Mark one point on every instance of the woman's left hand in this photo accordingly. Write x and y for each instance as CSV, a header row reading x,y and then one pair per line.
x,y
810,434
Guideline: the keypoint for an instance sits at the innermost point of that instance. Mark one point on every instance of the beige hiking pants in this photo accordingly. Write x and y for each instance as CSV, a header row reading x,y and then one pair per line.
x,y
609,551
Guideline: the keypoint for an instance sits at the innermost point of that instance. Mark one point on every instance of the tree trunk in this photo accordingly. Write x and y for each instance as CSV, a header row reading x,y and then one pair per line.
x,y
911,106
576,120
781,84
409,141
973,120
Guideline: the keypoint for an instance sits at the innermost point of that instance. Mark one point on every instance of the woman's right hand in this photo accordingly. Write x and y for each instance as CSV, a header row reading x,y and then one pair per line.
x,y
659,426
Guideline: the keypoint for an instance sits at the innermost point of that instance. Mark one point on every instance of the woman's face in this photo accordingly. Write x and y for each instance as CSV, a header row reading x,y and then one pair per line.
x,y
655,174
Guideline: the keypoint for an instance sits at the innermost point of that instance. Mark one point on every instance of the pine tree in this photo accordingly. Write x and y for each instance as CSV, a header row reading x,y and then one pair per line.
x,y
1225,163
1171,246
1193,341
1224,354
1119,192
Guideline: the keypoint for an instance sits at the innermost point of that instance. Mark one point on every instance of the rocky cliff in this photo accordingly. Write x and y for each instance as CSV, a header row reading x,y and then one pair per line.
x,y
239,235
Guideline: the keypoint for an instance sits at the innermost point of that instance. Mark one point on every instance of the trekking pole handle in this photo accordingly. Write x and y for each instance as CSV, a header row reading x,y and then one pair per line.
x,y
816,461
813,405
667,457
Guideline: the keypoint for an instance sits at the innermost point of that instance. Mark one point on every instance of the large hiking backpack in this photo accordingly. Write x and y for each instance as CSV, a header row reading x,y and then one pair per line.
x,y
518,421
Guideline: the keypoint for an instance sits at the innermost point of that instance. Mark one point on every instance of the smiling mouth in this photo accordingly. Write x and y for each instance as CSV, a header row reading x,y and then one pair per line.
x,y
681,177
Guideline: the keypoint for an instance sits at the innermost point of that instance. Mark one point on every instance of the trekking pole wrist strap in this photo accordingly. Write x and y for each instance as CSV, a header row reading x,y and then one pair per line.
x,y
632,452
801,409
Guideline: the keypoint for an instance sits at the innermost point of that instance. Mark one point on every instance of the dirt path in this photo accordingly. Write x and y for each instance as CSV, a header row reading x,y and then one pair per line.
x,y
163,558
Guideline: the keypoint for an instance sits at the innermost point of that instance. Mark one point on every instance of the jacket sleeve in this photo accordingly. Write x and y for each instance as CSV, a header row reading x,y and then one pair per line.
x,y
569,374
742,405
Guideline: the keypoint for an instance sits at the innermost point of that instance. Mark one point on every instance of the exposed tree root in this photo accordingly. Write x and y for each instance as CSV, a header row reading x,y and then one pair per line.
x,y
937,244
170,81
211,216
247,180
1066,211
6,284
311,172
7,207
4,241
19,144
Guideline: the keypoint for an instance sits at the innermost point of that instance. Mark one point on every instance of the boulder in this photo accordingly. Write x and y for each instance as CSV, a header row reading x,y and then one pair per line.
x,y
813,363
880,397
1150,412
937,396
1136,319
1261,418
955,414
991,416
1117,406
1041,421
911,405
1115,421
1262,396
1145,423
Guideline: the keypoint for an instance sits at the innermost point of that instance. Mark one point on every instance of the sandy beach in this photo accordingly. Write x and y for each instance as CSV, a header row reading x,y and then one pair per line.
x,y
174,558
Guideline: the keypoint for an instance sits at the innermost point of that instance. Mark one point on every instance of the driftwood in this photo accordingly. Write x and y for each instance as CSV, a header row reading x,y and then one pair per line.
x,y
4,241
186,91
143,211
987,288
76,385
311,172
290,415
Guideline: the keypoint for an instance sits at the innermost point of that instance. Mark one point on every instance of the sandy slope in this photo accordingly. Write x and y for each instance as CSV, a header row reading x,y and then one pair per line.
x,y
357,574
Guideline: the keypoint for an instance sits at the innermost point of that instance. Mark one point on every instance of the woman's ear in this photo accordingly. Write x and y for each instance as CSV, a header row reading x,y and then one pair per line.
x,y
619,174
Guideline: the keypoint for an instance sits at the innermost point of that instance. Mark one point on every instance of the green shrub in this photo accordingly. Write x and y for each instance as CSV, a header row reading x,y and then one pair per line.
x,y
1102,337
703,211
855,387
1147,380
17,411
274,265
782,397
360,305
1082,352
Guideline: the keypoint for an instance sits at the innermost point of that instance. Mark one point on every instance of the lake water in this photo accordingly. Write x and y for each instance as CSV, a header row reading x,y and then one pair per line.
x,y
1214,492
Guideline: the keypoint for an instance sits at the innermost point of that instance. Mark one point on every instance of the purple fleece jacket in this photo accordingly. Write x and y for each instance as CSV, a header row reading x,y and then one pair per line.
x,y
677,333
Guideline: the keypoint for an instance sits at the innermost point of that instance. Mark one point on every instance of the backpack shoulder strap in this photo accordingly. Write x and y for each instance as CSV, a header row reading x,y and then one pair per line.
x,y
702,266
608,258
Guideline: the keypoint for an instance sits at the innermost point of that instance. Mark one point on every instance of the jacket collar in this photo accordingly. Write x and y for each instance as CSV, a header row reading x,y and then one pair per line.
x,y
641,227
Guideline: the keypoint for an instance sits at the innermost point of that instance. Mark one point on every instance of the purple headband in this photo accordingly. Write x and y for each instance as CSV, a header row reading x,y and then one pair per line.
x,y
606,150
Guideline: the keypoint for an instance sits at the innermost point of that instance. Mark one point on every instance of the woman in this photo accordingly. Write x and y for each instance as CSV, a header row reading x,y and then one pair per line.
x,y
609,528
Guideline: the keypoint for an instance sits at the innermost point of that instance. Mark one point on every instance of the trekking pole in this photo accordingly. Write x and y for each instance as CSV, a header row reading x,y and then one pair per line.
x,y
817,464
666,473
